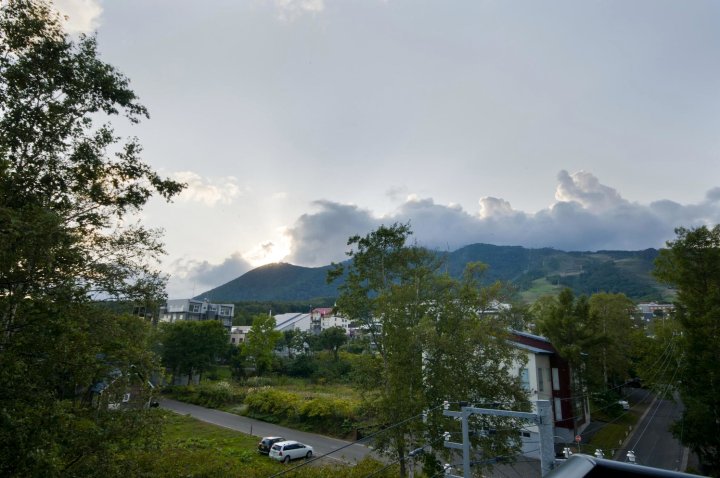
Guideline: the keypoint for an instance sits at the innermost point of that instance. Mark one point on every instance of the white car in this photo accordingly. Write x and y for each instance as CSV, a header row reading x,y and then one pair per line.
x,y
624,404
289,450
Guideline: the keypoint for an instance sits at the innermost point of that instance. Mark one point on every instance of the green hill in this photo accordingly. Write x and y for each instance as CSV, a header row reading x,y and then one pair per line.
x,y
275,282
534,272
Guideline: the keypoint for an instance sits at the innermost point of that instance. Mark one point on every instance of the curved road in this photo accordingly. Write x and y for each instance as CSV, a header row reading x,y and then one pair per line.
x,y
352,453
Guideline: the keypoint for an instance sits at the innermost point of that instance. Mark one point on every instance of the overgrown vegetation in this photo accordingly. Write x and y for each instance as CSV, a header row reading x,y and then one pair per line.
x,y
190,448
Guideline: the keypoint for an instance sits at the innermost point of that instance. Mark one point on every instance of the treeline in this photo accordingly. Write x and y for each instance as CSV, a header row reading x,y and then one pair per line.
x,y
246,311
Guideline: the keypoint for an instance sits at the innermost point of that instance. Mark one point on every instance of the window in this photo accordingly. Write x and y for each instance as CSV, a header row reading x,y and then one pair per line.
x,y
555,379
540,380
195,308
525,378
558,408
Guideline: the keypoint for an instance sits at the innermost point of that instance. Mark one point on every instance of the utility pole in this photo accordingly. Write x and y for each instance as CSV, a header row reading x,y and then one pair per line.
x,y
543,419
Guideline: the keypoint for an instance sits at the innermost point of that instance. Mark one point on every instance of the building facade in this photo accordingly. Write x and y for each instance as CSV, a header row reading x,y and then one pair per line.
x,y
547,376
193,309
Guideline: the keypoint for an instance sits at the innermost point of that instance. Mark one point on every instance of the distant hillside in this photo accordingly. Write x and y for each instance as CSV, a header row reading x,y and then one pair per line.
x,y
533,271
275,282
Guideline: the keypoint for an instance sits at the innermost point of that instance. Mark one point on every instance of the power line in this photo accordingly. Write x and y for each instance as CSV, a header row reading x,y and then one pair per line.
x,y
357,442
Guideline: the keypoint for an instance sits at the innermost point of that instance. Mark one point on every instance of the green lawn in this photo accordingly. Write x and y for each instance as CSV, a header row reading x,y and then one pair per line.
x,y
191,448
613,433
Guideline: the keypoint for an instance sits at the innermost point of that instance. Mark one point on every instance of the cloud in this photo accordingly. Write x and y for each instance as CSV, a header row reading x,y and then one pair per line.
x,y
291,9
587,216
585,189
83,16
199,276
209,191
320,238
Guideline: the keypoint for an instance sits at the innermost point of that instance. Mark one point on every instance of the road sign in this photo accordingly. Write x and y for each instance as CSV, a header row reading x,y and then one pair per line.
x,y
578,438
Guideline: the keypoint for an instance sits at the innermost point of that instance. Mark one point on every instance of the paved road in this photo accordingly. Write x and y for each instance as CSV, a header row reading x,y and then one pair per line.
x,y
320,443
652,441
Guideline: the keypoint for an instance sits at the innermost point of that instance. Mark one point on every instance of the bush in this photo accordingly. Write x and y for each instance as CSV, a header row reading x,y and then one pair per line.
x,y
302,366
207,394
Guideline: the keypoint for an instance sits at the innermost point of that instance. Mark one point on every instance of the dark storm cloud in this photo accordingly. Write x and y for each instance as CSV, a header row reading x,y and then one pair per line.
x,y
322,236
587,216
200,276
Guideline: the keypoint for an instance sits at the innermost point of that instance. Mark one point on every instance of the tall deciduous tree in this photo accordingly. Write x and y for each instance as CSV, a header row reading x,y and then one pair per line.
x,y
67,189
192,347
261,341
332,339
433,340
692,264
609,359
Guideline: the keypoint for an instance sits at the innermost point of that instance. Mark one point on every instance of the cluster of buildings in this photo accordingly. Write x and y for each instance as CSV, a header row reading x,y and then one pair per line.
x,y
544,374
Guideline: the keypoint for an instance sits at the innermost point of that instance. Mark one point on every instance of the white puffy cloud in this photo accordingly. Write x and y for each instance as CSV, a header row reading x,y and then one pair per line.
x,y
587,216
83,16
209,191
585,189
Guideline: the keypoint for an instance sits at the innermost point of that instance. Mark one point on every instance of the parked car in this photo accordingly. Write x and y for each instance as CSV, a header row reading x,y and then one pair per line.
x,y
289,450
624,404
266,443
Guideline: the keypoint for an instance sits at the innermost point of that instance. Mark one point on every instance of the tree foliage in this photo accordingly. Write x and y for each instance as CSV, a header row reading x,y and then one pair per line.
x,y
566,321
332,339
692,264
192,347
261,341
68,188
433,340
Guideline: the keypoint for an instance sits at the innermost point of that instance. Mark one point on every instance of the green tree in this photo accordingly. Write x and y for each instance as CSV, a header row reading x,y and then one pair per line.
x,y
192,347
332,339
261,341
68,188
691,263
566,322
609,359
433,341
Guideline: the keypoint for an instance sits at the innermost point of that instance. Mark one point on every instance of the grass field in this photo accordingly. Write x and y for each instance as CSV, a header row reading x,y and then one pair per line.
x,y
191,448
614,430
540,287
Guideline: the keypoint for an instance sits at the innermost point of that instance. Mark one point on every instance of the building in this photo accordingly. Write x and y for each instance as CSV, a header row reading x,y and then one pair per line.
x,y
323,318
650,310
193,309
293,321
547,376
238,334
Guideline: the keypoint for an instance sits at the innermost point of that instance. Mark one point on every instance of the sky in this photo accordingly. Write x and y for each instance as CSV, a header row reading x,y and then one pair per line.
x,y
297,123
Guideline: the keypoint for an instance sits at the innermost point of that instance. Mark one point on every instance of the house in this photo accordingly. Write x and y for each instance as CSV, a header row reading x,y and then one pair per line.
x,y
547,376
323,318
193,309
238,334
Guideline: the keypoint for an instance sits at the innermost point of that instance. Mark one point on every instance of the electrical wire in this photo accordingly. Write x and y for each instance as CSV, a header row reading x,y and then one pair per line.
x,y
357,442
652,417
